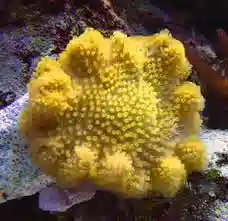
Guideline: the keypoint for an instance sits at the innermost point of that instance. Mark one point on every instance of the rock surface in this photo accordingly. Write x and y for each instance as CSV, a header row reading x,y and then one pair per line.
x,y
18,177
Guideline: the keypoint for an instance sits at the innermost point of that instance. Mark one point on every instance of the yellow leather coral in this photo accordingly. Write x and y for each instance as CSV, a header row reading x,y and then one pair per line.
x,y
118,112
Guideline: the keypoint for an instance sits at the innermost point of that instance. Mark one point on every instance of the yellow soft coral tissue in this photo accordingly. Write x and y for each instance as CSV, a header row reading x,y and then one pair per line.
x,y
117,112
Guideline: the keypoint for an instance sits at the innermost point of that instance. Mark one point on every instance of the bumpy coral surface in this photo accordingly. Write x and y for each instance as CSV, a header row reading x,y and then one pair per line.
x,y
118,112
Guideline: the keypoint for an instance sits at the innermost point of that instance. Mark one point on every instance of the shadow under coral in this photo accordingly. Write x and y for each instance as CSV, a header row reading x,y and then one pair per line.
x,y
195,202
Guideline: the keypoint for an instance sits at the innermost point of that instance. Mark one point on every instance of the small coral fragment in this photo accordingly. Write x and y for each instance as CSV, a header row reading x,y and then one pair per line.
x,y
113,111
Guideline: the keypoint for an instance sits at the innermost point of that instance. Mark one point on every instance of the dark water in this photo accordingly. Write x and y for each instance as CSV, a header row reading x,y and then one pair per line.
x,y
207,16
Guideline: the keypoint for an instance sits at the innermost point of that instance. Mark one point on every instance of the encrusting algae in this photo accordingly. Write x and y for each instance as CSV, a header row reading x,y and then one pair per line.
x,y
117,112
